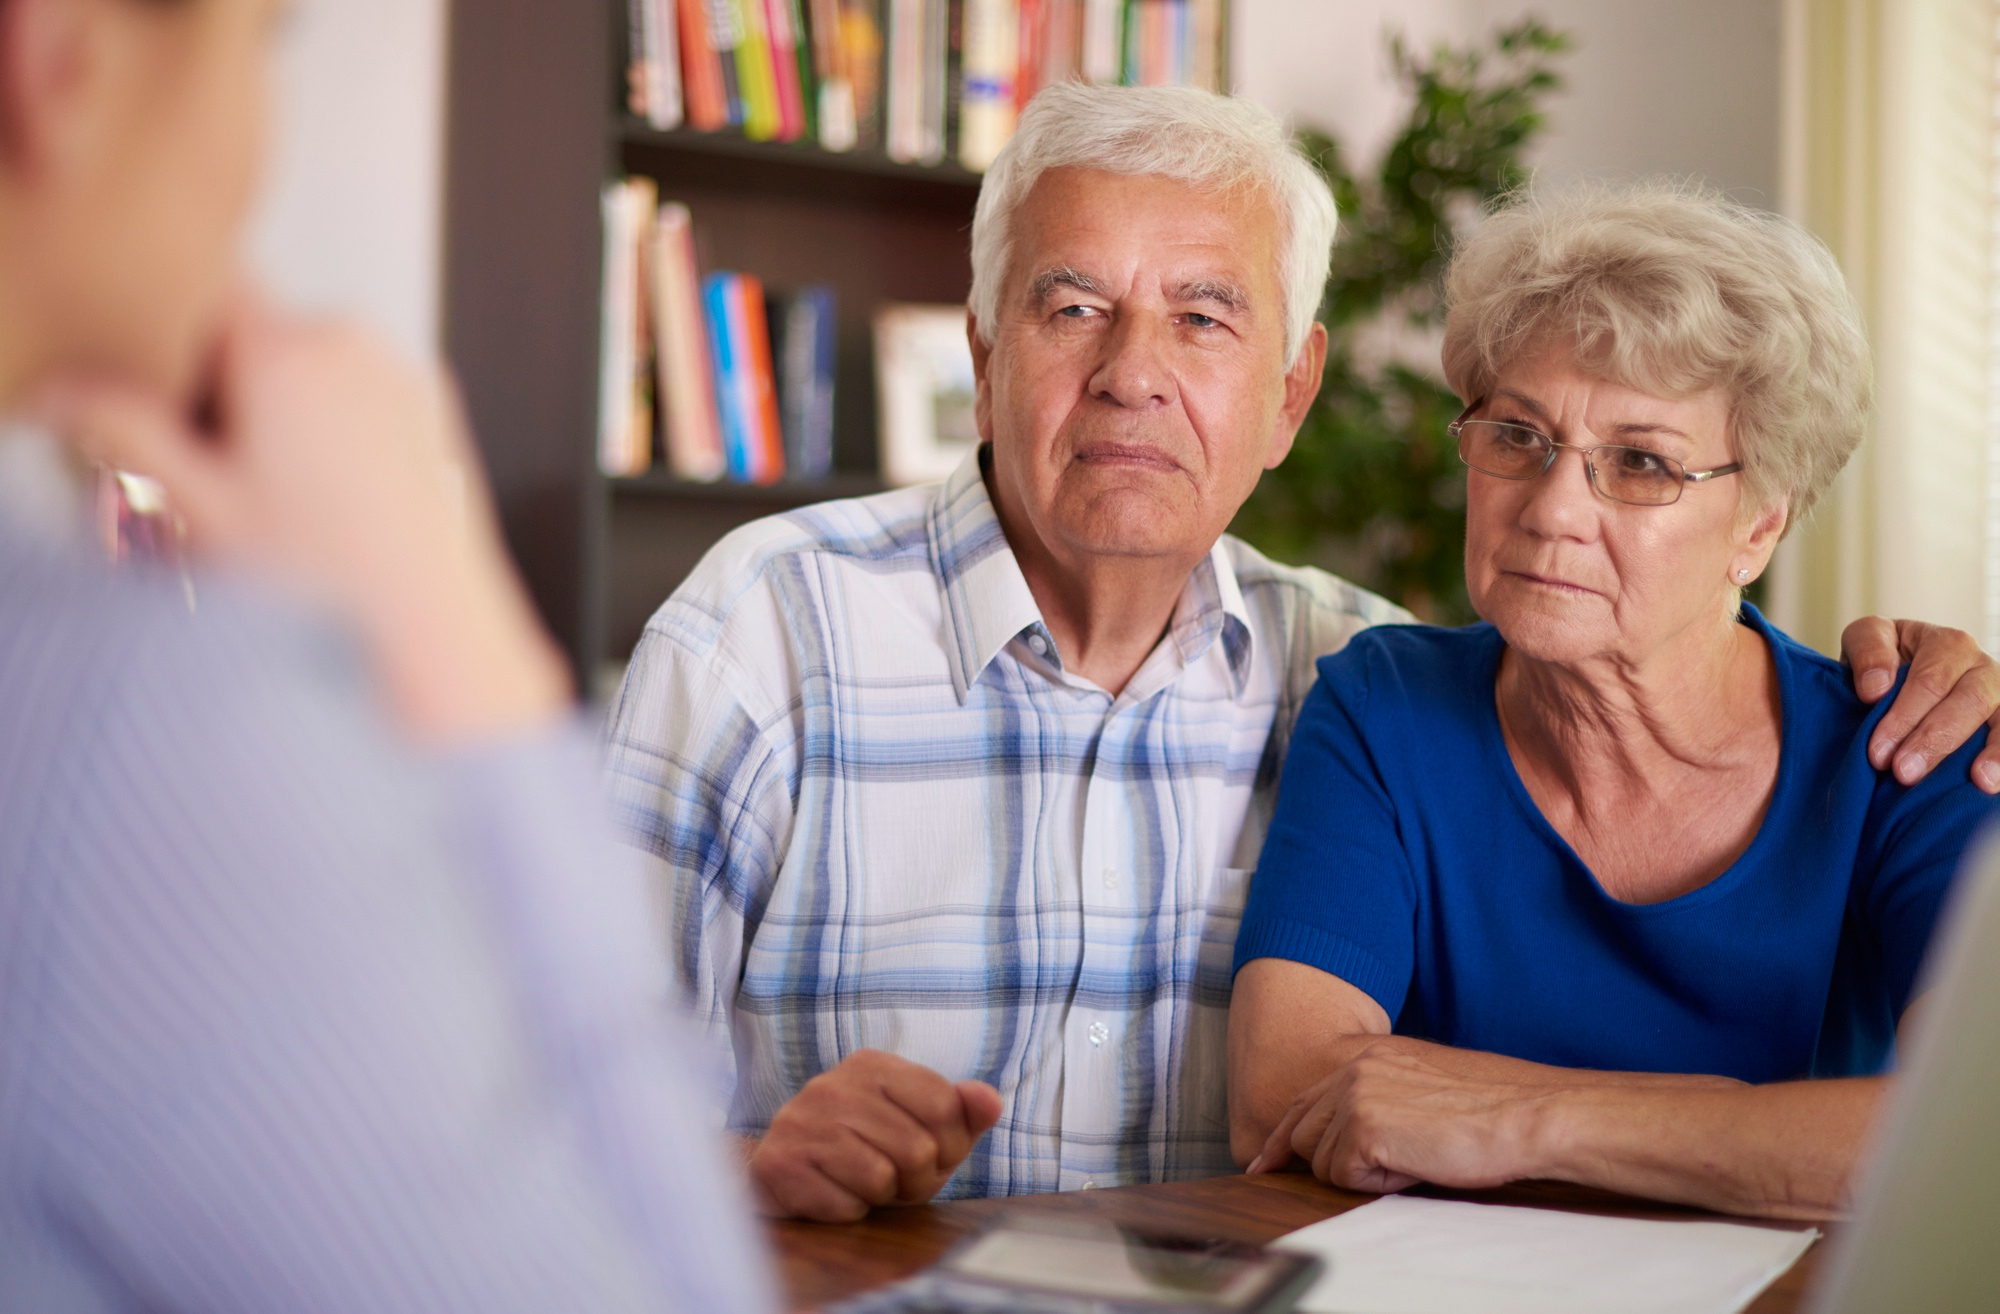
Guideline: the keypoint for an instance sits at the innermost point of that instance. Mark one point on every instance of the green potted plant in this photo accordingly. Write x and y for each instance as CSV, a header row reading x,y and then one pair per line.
x,y
1373,489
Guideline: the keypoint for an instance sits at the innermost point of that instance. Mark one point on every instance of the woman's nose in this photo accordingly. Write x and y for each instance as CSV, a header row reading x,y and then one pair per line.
x,y
1561,503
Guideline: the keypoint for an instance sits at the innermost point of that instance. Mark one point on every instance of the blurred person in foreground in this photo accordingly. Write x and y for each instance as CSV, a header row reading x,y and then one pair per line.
x,y
954,791
321,985
1659,928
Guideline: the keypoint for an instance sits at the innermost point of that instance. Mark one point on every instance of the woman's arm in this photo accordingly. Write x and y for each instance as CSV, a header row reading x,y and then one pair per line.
x,y
1378,1113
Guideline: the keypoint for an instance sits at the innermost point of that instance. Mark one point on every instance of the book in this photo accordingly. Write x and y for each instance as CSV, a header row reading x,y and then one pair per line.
x,y
1028,74
804,337
624,407
725,348
936,78
789,91
724,35
669,99
754,73
903,71
862,47
704,98
1210,47
746,393
834,90
685,382
766,429
1103,40
987,113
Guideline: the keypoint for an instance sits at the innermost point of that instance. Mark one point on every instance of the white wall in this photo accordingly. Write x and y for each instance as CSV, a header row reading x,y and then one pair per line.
x,y
1655,86
351,217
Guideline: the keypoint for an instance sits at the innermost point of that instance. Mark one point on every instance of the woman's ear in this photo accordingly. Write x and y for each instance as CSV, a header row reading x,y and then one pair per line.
x,y
1760,540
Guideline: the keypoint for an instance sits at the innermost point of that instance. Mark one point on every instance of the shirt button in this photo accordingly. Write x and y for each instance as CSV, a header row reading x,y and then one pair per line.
x,y
1110,879
1039,645
1090,1185
1099,1033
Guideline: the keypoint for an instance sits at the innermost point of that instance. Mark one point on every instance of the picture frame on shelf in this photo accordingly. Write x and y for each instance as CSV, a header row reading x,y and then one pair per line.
x,y
925,392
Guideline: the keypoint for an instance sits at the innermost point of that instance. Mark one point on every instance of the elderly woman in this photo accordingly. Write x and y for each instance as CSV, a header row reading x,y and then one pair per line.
x,y
1604,889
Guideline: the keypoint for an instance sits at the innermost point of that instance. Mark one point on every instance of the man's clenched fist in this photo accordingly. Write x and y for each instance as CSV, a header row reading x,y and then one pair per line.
x,y
875,1130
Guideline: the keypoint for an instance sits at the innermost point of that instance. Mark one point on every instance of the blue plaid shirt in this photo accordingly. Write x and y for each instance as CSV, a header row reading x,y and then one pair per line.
x,y
884,816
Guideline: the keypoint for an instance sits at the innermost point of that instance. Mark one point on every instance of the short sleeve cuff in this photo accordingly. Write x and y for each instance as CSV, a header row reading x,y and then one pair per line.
x,y
1317,947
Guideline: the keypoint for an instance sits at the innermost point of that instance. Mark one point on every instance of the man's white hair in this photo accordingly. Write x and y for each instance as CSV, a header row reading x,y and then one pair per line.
x,y
1216,143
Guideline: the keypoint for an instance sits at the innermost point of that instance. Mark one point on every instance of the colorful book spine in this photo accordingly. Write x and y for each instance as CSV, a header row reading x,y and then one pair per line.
x,y
806,346
1211,46
669,101
1028,75
725,35
1103,39
986,117
701,72
625,393
766,431
936,80
719,304
862,47
904,68
783,39
686,390
834,98
754,73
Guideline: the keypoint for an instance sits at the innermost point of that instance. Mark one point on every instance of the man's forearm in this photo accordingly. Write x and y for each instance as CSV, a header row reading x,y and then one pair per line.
x,y
1779,1151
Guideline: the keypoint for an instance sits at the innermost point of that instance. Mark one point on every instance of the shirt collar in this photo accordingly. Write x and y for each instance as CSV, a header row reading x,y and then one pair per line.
x,y
1212,607
988,603
986,598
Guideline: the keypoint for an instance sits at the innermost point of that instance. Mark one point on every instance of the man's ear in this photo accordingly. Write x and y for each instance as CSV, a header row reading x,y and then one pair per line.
x,y
982,393
46,58
1302,381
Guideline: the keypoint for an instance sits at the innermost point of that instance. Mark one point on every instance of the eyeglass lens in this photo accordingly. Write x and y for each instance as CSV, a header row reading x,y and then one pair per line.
x,y
1624,474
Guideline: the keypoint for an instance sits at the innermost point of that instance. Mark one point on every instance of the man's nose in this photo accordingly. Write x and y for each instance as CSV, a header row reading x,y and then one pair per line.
x,y
1560,501
1133,371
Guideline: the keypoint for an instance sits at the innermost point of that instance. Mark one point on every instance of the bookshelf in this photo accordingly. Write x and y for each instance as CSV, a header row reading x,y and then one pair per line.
x,y
537,124
535,127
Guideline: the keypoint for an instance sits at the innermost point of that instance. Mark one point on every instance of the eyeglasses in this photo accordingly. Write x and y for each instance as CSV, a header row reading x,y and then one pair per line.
x,y
1633,475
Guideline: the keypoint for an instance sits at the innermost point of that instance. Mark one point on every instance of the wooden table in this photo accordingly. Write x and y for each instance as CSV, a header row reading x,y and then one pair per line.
x,y
824,1262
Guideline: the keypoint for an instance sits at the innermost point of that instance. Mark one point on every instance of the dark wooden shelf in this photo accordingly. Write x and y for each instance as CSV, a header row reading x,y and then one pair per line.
x,y
798,154
785,493
684,158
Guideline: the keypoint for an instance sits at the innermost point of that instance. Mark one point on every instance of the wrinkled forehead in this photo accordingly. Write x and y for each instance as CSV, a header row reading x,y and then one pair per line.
x,y
1626,373
1168,229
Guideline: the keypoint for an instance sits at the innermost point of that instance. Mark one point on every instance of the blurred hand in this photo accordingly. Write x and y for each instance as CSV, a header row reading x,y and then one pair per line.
x,y
1953,689
344,473
1385,1120
875,1130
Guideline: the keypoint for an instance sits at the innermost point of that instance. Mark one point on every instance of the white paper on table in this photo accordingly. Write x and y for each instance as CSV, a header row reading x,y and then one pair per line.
x,y
1409,1255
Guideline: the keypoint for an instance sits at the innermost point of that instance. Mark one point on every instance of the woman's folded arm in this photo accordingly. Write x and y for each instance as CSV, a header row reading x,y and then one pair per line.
x,y
1314,1073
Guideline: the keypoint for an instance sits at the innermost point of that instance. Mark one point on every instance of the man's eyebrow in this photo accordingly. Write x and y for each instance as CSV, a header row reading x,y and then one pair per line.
x,y
1214,291
1049,280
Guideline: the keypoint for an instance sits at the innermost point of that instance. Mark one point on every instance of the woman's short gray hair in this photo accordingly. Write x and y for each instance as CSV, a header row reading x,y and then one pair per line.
x,y
1673,289
1212,142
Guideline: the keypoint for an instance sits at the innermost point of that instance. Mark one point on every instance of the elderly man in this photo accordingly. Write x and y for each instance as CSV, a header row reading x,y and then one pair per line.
x,y
954,791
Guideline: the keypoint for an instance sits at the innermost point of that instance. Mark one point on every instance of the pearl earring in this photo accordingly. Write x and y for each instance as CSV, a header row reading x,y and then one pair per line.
x,y
1742,575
